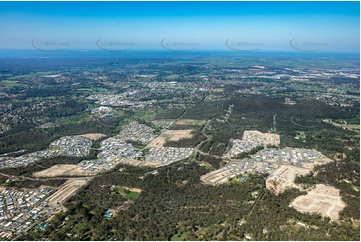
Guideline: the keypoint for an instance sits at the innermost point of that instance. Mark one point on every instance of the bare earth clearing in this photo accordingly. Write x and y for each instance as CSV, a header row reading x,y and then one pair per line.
x,y
283,178
65,191
322,199
93,136
134,162
134,189
57,170
189,122
64,170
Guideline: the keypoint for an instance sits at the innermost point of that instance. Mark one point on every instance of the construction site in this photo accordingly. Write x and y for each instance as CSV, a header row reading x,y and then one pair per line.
x,y
321,199
283,178
65,191
283,166
262,138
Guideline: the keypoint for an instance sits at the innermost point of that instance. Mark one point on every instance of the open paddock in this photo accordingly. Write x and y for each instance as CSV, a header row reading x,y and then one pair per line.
x,y
170,135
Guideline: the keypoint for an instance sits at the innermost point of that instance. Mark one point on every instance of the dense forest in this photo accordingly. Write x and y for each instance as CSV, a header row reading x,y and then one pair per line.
x,y
175,205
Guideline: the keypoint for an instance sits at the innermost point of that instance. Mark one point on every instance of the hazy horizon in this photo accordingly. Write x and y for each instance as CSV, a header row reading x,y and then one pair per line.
x,y
181,26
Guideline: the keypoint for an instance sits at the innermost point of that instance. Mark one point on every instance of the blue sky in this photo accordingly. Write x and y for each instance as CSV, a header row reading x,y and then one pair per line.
x,y
268,26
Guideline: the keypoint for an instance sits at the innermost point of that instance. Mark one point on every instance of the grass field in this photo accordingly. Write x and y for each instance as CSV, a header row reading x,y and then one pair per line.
x,y
132,195
75,119
173,76
129,193
148,115
9,83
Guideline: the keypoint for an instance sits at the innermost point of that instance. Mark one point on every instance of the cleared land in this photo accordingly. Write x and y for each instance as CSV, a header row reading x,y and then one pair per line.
x,y
65,191
322,199
93,136
283,178
65,170
57,170
170,135
78,171
218,177
189,122
134,162
134,189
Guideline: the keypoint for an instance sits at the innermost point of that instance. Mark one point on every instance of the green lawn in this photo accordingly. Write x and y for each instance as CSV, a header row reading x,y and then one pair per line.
x,y
123,192
132,195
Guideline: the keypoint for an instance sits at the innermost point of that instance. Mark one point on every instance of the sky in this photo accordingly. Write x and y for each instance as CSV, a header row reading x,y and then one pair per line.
x,y
181,26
